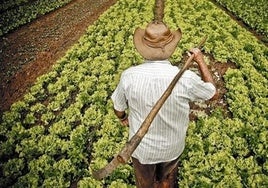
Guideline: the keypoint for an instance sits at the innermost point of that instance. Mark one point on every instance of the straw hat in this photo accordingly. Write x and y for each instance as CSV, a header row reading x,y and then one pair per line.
x,y
156,41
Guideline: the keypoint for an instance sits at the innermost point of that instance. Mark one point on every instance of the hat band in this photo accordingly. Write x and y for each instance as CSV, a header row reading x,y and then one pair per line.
x,y
159,42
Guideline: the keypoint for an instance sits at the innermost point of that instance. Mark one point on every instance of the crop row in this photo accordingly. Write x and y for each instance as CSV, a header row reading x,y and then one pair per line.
x,y
65,127
253,13
15,13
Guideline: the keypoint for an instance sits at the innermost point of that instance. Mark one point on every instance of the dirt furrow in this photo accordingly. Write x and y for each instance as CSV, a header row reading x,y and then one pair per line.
x,y
31,50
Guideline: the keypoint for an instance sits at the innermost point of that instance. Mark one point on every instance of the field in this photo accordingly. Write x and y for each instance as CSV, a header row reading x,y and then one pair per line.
x,y
64,126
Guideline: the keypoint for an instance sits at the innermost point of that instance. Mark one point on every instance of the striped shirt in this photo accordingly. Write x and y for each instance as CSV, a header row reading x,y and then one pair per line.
x,y
140,87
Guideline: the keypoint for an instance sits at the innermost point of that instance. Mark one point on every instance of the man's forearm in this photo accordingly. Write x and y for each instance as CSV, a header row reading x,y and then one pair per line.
x,y
203,68
123,116
205,73
120,114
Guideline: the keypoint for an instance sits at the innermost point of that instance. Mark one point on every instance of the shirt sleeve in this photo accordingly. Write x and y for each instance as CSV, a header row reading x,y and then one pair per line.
x,y
201,90
118,97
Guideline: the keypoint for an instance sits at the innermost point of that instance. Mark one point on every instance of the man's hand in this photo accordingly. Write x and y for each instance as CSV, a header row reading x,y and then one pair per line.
x,y
198,55
125,122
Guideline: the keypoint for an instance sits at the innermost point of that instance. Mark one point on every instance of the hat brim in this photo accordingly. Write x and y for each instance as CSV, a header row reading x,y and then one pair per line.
x,y
151,53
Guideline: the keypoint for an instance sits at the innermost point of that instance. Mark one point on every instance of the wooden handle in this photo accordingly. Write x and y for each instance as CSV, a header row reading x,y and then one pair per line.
x,y
159,10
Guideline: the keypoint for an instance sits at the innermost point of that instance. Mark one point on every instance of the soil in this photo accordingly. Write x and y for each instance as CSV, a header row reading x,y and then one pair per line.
x,y
31,50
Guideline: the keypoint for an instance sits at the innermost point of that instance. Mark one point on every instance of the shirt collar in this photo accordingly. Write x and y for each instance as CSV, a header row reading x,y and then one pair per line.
x,y
158,61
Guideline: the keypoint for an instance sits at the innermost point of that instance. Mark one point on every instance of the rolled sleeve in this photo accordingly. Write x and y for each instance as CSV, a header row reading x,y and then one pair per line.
x,y
201,90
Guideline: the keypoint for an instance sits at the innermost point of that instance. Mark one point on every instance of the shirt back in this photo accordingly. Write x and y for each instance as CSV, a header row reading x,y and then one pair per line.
x,y
140,87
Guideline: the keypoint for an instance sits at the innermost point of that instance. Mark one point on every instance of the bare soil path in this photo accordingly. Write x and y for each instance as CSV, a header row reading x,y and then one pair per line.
x,y
31,50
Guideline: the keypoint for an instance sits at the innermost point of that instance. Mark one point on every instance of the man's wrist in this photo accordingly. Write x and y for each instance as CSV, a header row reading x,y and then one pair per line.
x,y
124,117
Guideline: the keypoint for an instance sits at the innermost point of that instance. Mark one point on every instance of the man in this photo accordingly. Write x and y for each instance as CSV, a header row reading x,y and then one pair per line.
x,y
155,160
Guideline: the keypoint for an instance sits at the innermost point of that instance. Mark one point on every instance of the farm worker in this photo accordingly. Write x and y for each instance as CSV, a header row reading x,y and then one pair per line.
x,y
155,160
